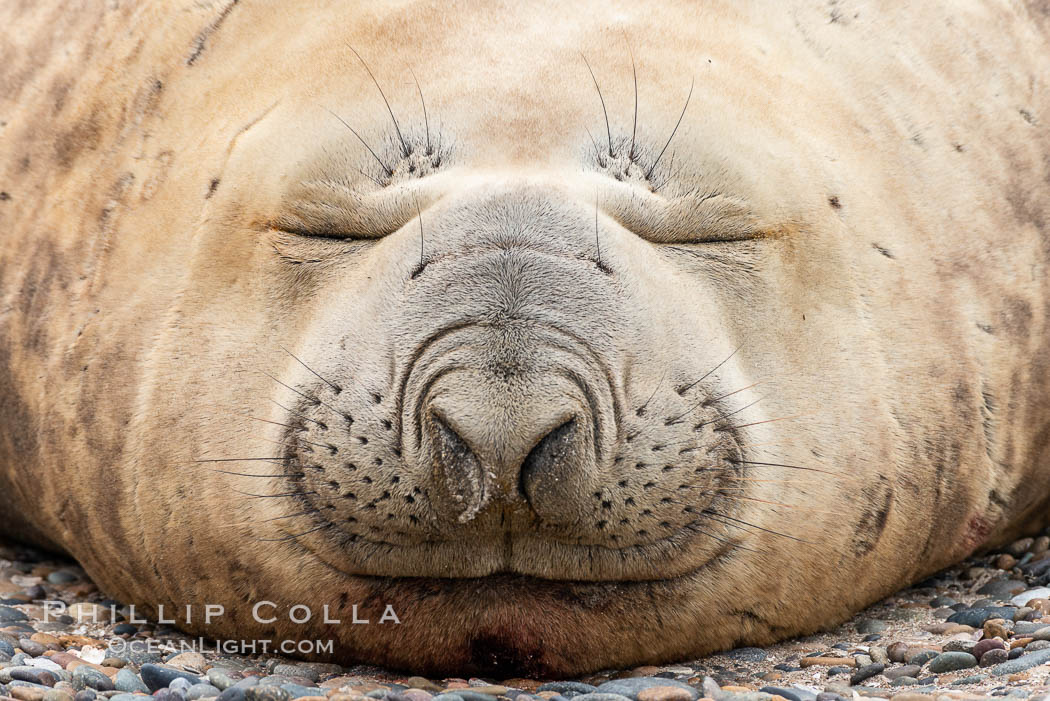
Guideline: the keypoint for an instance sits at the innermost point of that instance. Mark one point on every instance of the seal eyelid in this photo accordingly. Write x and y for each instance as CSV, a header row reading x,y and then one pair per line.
x,y
331,209
699,217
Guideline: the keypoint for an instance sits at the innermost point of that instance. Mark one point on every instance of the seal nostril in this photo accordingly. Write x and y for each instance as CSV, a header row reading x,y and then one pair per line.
x,y
544,459
462,471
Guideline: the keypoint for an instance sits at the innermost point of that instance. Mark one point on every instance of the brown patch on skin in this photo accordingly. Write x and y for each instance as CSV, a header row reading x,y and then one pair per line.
x,y
877,501
1016,317
17,438
82,137
59,92
977,530
202,39
883,251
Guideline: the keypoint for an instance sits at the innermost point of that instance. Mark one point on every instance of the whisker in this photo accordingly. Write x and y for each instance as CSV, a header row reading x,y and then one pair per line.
x,y
597,151
743,523
284,444
313,400
608,129
673,132
266,520
333,385
419,215
293,537
272,496
634,71
373,179
297,415
242,474
405,151
597,242
708,402
426,122
721,539
641,410
683,390
386,168
671,173
242,459
757,423
278,518
777,464
275,423
722,417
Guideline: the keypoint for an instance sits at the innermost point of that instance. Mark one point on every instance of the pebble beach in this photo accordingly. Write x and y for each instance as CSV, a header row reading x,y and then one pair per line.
x,y
980,629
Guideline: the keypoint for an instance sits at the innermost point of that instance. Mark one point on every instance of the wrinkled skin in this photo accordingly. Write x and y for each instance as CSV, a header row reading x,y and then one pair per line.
x,y
561,401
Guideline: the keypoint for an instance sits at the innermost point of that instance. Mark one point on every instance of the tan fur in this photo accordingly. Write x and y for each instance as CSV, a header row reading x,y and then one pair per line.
x,y
888,166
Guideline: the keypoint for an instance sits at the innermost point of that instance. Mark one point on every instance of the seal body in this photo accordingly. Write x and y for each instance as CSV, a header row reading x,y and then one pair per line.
x,y
567,378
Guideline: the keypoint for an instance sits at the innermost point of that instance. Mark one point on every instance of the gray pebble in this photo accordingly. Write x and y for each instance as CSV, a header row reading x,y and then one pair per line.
x,y
990,660
85,677
1003,589
157,676
201,691
868,627
599,696
11,615
297,690
220,678
468,695
36,675
747,654
1021,663
866,672
908,670
129,682
977,617
921,658
265,692
181,683
294,670
31,648
62,577
951,662
568,689
959,646
976,678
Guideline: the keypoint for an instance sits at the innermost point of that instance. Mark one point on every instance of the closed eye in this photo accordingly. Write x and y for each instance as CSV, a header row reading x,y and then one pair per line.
x,y
694,217
330,209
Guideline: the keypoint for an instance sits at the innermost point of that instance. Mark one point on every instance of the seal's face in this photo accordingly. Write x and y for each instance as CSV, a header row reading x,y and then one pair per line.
x,y
562,401
497,388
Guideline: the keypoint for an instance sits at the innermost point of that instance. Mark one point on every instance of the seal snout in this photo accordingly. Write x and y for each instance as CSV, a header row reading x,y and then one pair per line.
x,y
522,442
511,464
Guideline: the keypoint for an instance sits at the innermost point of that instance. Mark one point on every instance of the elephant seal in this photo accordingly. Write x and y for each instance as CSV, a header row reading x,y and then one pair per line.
x,y
568,378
